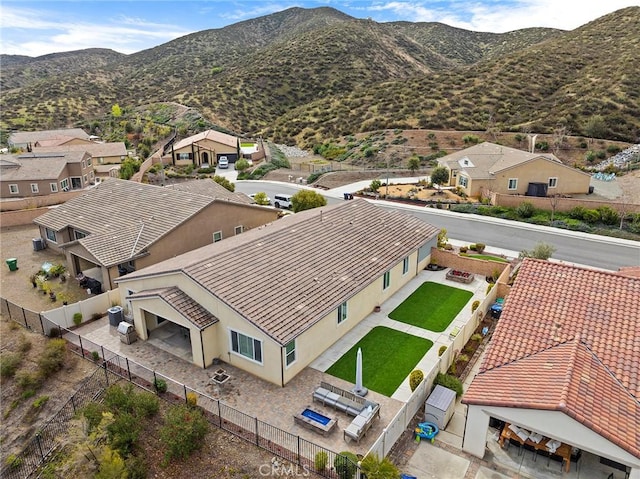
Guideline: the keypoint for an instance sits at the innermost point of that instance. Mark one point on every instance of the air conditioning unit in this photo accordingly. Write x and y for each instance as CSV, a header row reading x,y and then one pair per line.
x,y
39,244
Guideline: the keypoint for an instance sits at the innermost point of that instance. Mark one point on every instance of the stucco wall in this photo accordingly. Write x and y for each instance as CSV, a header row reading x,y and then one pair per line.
x,y
38,201
570,180
453,260
563,204
20,217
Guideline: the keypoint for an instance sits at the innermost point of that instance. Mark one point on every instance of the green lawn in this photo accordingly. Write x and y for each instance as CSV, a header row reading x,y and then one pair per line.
x,y
432,306
388,356
488,257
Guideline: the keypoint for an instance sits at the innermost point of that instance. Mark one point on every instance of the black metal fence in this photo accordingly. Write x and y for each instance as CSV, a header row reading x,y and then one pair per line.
x,y
306,455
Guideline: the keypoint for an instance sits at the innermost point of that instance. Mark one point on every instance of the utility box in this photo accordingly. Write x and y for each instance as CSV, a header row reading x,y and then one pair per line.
x,y
115,315
127,333
439,406
38,244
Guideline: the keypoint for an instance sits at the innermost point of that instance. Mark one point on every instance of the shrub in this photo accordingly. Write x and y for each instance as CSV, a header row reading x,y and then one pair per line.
x,y
608,215
463,249
450,382
590,156
345,464
92,412
41,401
475,305
480,247
441,351
123,432
415,378
145,404
224,182
463,358
375,185
160,385
525,209
490,287
95,355
591,216
183,431
9,363
373,467
52,358
540,251
13,461
321,460
192,399
27,380
476,337
118,398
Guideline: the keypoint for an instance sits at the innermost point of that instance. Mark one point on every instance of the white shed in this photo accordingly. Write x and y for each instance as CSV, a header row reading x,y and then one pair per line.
x,y
439,406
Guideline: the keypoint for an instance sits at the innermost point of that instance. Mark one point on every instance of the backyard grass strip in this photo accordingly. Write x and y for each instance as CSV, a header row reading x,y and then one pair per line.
x,y
487,257
388,357
432,306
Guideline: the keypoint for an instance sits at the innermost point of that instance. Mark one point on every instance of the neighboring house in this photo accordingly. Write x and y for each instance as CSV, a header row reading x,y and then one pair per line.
x,y
120,226
563,361
105,157
205,148
27,139
270,301
500,169
43,173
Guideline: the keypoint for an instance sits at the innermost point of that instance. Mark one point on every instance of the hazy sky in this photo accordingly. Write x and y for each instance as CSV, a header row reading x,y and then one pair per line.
x,y
37,28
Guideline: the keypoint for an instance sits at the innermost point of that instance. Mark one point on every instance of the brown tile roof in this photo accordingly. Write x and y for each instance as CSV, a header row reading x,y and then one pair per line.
x,y
287,275
210,189
96,150
124,217
568,339
211,135
21,137
486,159
34,169
182,303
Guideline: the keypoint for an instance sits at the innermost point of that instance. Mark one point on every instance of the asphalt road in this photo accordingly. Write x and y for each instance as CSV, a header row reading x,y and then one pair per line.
x,y
574,247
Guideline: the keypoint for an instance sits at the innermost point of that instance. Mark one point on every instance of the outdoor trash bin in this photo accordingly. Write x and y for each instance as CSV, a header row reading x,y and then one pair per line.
x,y
12,263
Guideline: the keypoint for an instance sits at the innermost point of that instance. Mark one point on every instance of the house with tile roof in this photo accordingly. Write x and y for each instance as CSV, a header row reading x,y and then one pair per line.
x,y
120,226
563,362
27,139
271,300
204,148
488,167
43,173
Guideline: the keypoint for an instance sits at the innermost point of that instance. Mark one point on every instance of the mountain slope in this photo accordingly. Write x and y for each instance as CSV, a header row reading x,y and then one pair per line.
x,y
311,74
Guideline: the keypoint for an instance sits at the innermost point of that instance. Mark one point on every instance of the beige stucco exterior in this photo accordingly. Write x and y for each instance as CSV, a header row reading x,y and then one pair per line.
x,y
215,341
203,151
561,179
197,231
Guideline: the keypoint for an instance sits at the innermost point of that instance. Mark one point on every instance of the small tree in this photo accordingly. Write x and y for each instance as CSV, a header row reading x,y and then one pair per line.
x,y
442,238
414,163
261,198
242,165
375,185
375,468
541,250
345,464
440,175
221,180
183,431
306,200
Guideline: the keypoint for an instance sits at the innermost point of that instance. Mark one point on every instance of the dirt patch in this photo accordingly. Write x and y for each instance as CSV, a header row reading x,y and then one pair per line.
x,y
20,417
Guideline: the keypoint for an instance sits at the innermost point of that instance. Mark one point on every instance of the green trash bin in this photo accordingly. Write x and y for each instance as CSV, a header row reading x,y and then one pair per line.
x,y
12,263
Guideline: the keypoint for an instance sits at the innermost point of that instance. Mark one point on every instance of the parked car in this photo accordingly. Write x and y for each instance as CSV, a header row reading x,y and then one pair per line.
x,y
282,201
223,162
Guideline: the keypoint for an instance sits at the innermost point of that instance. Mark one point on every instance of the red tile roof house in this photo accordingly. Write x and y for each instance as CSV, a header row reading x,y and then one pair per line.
x,y
120,226
564,361
271,300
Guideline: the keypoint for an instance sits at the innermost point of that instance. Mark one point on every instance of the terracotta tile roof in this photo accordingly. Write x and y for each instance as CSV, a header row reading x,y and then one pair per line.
x,y
633,271
287,275
115,234
182,303
568,339
212,135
